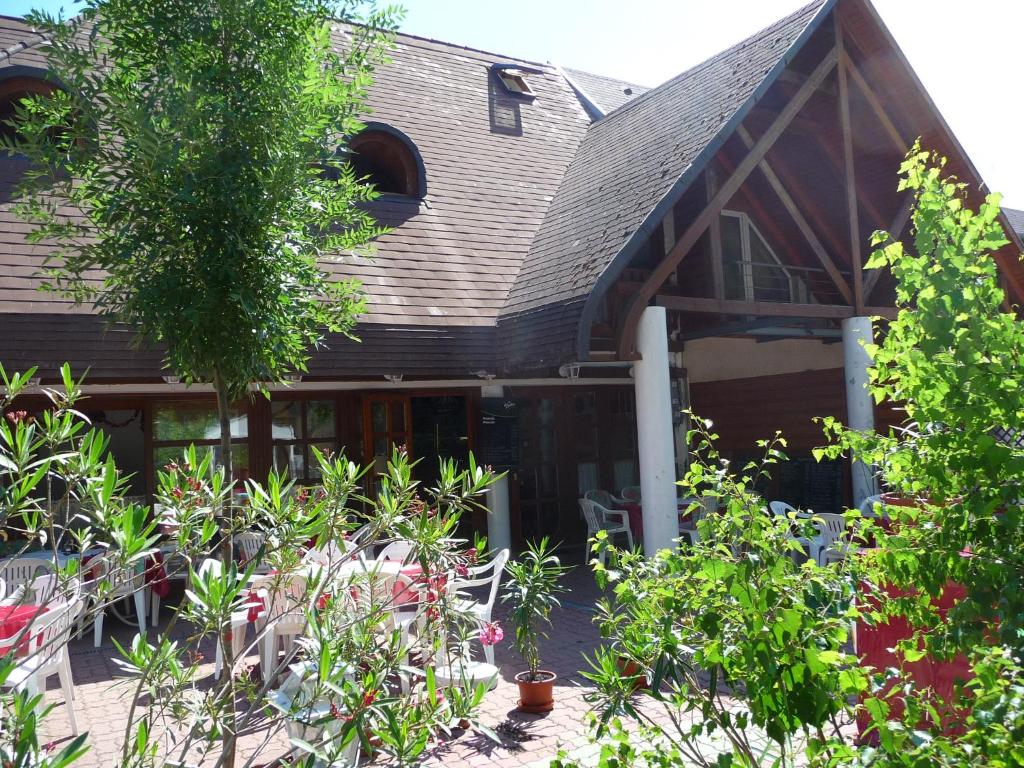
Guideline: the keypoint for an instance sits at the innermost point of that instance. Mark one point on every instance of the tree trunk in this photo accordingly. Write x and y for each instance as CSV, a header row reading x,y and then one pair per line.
x,y
227,679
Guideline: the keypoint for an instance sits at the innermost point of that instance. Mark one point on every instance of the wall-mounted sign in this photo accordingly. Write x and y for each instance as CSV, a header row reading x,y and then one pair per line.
x,y
498,444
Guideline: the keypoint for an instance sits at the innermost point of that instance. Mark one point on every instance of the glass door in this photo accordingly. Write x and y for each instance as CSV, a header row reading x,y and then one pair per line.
x,y
386,424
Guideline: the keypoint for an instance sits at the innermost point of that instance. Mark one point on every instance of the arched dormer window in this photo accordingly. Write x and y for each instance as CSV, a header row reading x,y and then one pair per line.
x,y
13,89
385,157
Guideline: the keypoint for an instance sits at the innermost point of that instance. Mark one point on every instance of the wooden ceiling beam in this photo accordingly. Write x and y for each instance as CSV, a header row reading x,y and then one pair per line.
x,y
765,308
876,105
798,218
686,241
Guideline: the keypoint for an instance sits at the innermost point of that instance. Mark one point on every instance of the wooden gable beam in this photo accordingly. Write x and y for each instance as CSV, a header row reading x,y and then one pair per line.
x,y
627,334
765,308
876,105
895,232
805,229
853,216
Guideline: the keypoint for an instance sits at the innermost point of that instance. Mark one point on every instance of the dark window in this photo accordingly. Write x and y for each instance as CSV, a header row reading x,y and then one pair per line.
x,y
387,162
297,427
12,91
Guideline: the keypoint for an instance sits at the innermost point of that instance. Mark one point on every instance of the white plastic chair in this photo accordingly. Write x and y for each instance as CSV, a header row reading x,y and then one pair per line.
x,y
48,639
781,508
631,494
249,544
285,619
604,498
705,506
18,573
831,530
121,585
3,590
397,551
487,575
612,521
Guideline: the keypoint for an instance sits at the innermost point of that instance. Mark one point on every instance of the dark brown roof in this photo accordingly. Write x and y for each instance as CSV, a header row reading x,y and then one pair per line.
x,y
1016,219
493,163
633,163
606,93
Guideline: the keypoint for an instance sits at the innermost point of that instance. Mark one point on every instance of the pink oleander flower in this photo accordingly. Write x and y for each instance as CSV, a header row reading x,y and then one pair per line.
x,y
461,569
492,633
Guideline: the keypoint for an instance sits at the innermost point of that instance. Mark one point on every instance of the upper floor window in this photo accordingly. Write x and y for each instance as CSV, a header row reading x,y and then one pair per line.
x,y
12,91
388,160
750,269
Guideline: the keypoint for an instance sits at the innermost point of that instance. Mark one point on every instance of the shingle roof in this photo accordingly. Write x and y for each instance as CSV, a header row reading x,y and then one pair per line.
x,y
607,93
1016,219
493,164
630,160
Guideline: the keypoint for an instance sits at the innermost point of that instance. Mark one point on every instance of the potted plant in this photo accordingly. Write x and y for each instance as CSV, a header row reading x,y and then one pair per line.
x,y
530,589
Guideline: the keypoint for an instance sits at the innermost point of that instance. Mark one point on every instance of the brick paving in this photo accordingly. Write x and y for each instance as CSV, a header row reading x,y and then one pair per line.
x,y
103,702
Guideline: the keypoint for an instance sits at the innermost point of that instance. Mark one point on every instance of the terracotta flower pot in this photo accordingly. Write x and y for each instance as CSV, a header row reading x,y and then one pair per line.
x,y
630,670
536,696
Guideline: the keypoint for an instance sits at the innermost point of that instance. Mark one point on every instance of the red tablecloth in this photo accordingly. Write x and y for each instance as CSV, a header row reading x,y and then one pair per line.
x,y
156,575
14,619
404,592
874,646
636,520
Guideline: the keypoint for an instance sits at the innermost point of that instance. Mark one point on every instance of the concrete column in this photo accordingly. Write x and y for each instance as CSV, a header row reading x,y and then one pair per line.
x,y
655,432
860,407
499,522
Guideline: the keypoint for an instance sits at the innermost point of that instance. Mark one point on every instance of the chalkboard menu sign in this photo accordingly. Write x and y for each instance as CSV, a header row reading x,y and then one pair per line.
x,y
812,485
498,444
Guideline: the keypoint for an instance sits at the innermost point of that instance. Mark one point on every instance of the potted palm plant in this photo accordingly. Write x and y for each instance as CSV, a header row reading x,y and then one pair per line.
x,y
530,589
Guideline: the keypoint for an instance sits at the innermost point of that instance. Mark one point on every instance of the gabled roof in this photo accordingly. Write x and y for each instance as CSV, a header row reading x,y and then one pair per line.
x,y
606,93
629,161
1016,219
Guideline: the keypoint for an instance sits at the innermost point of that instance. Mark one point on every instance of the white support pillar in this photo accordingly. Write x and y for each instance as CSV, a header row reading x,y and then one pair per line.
x,y
499,522
655,432
860,408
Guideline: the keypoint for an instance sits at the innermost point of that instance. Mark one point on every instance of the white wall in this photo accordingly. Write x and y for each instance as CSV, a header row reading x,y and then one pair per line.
x,y
719,359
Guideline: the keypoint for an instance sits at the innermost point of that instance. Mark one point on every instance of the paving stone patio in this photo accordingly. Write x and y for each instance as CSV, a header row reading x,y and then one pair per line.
x,y
102,704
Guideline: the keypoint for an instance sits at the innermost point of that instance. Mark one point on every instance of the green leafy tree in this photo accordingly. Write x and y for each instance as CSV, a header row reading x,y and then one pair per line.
x,y
953,360
188,173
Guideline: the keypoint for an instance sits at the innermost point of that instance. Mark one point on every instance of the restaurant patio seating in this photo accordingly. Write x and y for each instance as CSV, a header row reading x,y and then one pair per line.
x,y
611,521
47,656
489,576
604,498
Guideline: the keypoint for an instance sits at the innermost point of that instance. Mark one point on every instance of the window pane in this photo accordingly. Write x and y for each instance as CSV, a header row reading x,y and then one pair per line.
x,y
288,460
164,455
319,418
286,420
771,281
398,416
327,449
185,422
732,257
379,417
